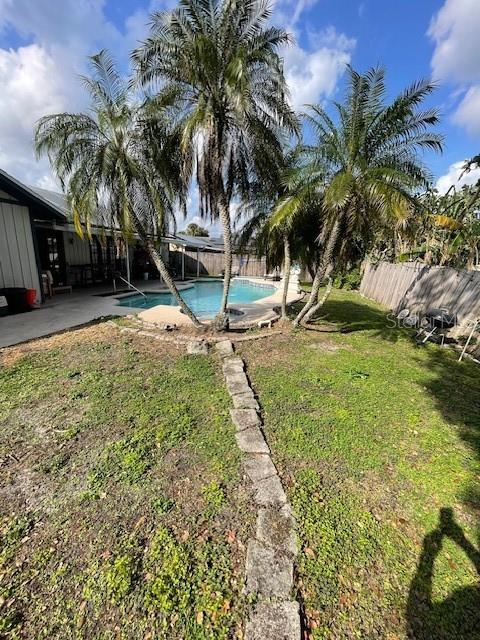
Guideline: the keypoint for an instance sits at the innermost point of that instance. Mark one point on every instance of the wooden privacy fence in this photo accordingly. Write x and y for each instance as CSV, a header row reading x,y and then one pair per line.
x,y
212,264
419,287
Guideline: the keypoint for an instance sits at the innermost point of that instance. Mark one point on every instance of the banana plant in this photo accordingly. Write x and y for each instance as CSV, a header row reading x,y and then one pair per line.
x,y
457,223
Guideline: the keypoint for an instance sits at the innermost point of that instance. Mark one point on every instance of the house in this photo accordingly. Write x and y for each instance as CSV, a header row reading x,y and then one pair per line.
x,y
37,236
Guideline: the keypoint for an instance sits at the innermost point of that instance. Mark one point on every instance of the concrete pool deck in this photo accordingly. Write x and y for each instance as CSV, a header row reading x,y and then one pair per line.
x,y
67,311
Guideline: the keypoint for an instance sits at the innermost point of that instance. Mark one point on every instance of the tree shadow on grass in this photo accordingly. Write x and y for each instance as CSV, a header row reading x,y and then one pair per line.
x,y
458,616
348,316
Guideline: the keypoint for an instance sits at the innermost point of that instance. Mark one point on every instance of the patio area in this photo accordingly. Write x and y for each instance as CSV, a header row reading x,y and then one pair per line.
x,y
65,311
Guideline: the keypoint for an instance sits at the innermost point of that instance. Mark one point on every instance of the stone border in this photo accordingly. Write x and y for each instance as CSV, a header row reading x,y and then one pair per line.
x,y
271,554
164,334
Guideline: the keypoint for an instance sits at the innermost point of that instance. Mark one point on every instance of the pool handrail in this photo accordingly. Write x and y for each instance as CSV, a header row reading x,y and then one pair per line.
x,y
117,275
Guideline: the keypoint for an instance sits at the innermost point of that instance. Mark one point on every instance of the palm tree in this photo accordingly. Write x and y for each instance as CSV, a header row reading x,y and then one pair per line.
x,y
270,241
365,163
219,61
119,162
290,237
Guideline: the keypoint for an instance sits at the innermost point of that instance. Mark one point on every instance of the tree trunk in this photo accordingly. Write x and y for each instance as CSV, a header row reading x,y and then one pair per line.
x,y
224,214
316,307
164,272
325,262
317,281
286,275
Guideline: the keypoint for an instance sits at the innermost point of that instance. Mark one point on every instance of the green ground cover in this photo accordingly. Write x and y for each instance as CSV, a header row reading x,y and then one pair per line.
x,y
118,470
378,442
122,513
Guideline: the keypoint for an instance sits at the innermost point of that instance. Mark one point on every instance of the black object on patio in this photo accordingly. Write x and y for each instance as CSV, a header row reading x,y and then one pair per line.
x,y
16,299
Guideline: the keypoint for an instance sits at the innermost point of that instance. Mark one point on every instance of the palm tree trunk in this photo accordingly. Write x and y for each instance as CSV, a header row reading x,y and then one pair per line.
x,y
325,264
317,281
286,275
159,262
316,307
224,215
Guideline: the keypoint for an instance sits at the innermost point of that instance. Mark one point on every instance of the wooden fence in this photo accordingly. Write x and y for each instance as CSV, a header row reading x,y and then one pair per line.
x,y
419,287
212,264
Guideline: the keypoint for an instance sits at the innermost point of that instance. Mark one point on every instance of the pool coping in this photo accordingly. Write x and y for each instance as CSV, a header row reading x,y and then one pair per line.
x,y
162,290
263,310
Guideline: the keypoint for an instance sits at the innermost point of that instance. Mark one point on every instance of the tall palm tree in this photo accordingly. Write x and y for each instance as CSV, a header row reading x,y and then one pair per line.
x,y
219,61
290,237
365,162
119,162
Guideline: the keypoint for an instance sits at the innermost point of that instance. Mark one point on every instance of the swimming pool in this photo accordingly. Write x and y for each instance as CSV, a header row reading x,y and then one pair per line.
x,y
203,297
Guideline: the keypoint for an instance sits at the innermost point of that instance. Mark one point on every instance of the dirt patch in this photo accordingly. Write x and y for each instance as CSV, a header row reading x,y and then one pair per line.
x,y
277,348
65,340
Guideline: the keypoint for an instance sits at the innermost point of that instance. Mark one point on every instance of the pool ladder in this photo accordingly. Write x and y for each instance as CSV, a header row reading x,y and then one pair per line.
x,y
117,275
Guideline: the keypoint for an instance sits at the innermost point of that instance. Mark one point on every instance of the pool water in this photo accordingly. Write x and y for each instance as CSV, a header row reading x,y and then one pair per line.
x,y
204,297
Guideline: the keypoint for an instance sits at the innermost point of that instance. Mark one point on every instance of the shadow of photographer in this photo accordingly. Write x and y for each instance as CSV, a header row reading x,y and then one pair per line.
x,y
458,616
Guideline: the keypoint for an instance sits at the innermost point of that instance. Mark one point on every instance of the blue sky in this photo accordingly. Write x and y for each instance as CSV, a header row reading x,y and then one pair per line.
x,y
44,44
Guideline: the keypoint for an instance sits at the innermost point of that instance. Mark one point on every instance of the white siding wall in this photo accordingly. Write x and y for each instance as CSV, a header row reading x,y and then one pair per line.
x,y
18,267
77,250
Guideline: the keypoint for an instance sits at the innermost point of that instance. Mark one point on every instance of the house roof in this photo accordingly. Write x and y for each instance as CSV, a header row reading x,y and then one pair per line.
x,y
53,205
56,199
42,206
59,201
197,242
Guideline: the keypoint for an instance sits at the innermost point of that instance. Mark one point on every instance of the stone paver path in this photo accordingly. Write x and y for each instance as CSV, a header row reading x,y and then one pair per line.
x,y
271,554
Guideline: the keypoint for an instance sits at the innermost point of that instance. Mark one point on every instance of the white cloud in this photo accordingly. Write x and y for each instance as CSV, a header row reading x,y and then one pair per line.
x,y
300,7
31,84
72,24
287,13
455,31
313,74
42,76
313,70
468,111
48,182
454,177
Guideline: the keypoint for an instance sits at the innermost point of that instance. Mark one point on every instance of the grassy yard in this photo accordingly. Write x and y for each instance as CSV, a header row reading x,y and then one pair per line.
x,y
378,442
121,512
